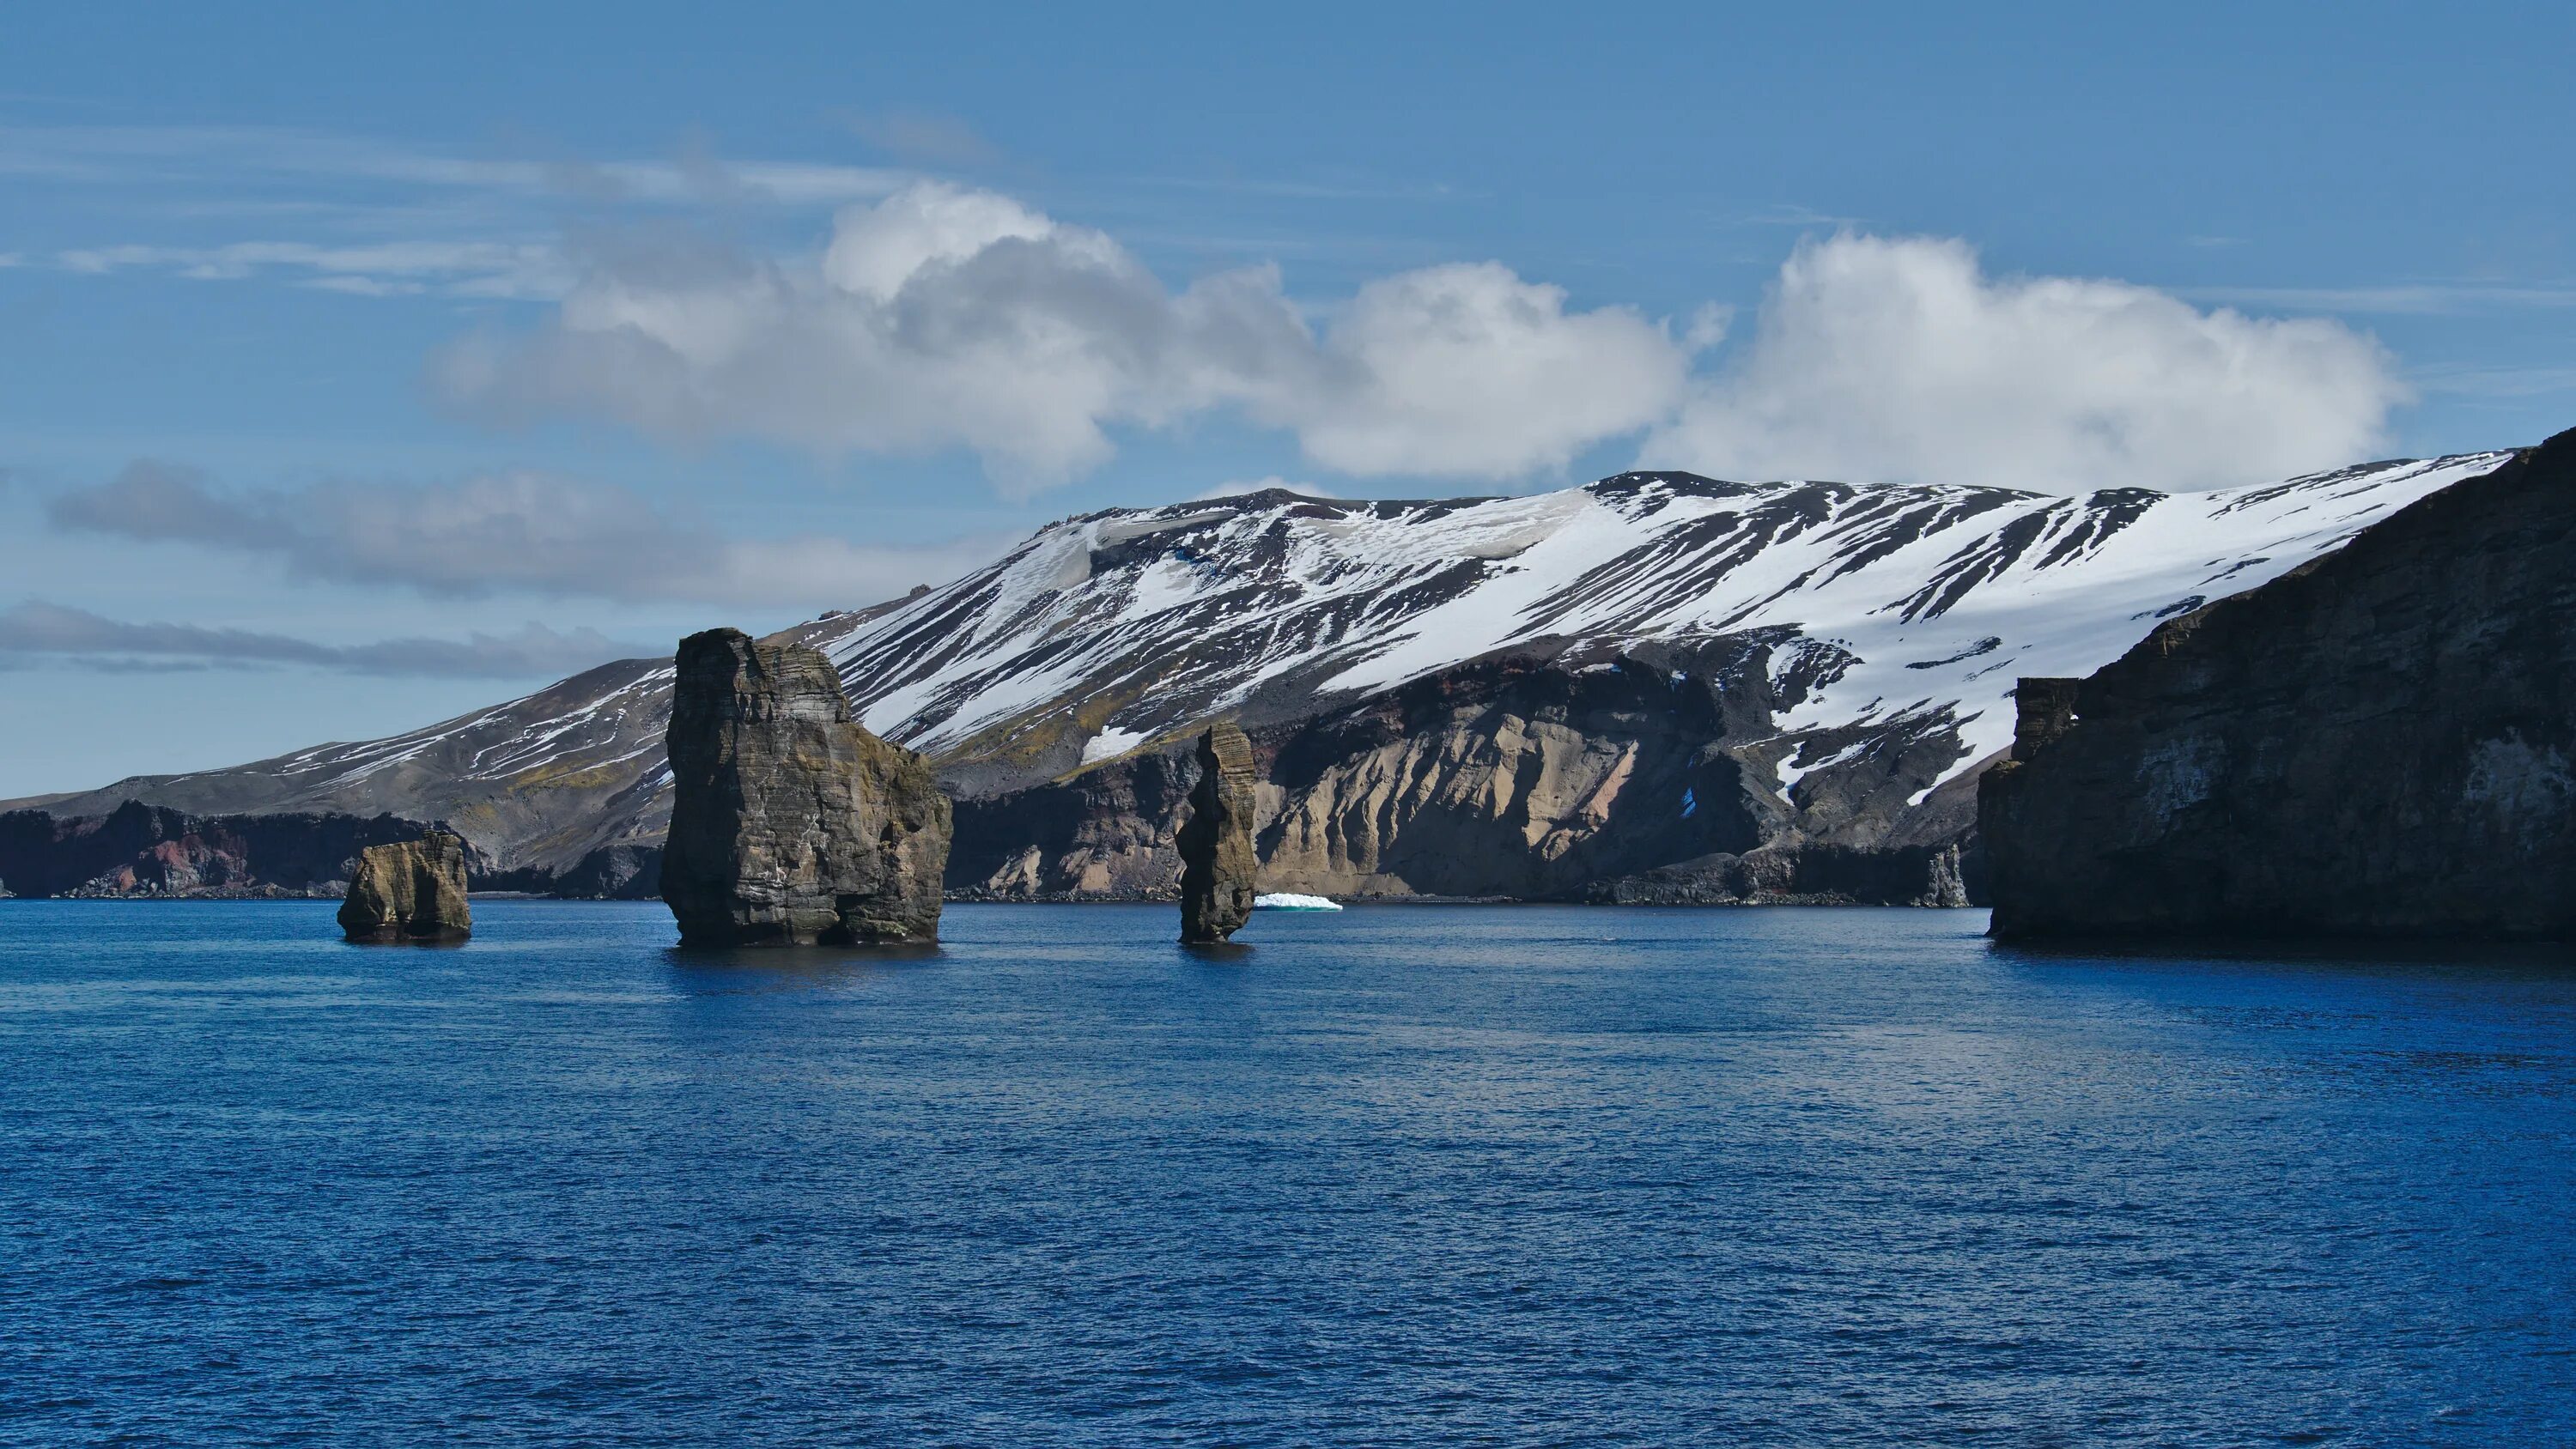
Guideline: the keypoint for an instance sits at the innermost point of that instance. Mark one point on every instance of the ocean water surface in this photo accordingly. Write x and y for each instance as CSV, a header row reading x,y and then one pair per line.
x,y
1402,1175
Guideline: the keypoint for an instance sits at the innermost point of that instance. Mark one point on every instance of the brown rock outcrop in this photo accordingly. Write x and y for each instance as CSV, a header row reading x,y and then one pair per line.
x,y
1518,777
791,824
1217,862
411,890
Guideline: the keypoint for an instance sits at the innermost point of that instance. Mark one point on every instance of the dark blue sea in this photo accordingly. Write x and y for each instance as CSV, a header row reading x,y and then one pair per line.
x,y
1405,1175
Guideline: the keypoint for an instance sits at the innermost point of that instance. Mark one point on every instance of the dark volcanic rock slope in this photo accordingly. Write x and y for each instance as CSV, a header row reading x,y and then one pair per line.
x,y
146,850
2379,743
1386,658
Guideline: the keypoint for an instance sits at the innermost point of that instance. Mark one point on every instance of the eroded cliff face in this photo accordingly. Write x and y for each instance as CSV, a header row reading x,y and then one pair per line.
x,y
144,850
2382,742
1217,862
790,823
412,890
1643,775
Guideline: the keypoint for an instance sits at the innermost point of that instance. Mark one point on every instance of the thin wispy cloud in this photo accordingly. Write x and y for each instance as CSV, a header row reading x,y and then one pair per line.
x,y
2496,382
38,632
522,533
459,268
126,155
376,218
1312,189
1790,214
2421,299
925,138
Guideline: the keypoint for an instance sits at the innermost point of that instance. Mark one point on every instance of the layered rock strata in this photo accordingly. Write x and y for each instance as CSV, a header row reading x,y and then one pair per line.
x,y
145,850
1647,776
791,823
1217,860
412,890
2382,742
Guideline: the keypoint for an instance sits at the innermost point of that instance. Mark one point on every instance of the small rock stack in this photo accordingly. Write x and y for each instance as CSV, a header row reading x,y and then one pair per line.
x,y
790,823
409,891
1217,861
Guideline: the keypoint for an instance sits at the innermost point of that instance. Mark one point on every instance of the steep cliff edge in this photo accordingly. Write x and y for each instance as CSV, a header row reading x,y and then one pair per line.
x,y
1643,775
146,850
2379,743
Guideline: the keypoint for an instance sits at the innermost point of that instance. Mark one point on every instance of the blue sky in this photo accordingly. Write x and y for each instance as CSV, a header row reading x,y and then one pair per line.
x,y
361,364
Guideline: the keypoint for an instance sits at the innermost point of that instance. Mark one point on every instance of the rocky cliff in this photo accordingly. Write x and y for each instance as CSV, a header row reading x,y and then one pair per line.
x,y
409,891
143,850
1643,776
2377,743
790,823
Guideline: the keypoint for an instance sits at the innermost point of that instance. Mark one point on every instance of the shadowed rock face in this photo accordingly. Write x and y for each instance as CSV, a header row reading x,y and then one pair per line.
x,y
790,823
144,850
412,890
1217,863
2382,742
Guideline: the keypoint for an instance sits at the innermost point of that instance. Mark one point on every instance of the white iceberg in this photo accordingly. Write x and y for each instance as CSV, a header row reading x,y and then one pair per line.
x,y
1289,901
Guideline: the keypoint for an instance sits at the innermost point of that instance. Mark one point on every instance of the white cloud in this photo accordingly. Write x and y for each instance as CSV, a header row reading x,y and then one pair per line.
x,y
1468,371
949,317
514,532
1894,359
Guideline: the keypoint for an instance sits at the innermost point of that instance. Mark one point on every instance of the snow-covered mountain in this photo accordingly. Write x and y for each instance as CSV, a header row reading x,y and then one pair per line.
x,y
1876,615
1103,632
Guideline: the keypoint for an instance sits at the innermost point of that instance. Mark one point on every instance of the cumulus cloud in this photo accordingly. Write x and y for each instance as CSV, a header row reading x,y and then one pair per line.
x,y
1468,371
1898,359
35,631
943,316
513,532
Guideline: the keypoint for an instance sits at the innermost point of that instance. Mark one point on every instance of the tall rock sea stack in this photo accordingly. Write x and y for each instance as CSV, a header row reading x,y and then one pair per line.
x,y
790,823
412,890
2381,742
1217,862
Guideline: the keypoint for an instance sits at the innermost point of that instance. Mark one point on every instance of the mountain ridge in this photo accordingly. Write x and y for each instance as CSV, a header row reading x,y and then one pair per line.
x,y
1886,621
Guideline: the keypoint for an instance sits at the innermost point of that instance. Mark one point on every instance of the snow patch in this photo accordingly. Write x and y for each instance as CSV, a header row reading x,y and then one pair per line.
x,y
1111,743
